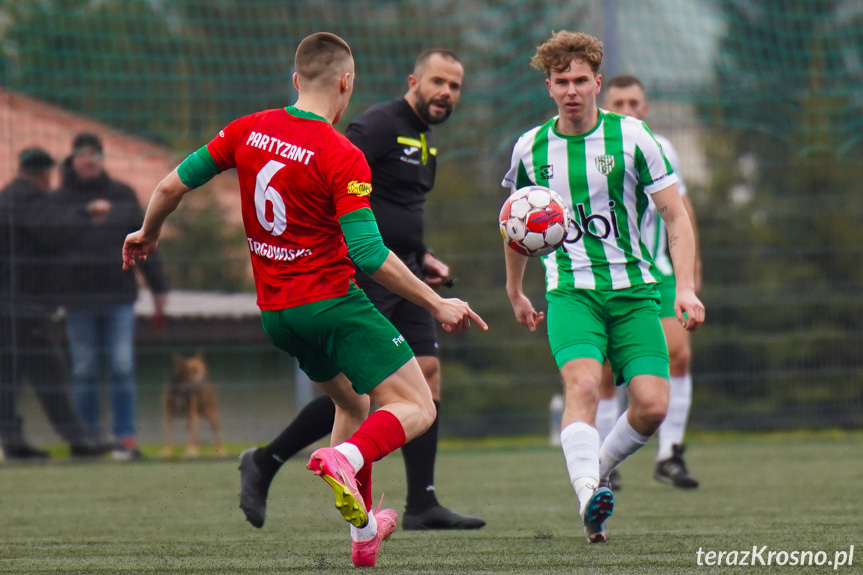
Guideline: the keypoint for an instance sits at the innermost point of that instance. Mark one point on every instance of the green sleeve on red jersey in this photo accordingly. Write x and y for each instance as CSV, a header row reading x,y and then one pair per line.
x,y
198,169
365,246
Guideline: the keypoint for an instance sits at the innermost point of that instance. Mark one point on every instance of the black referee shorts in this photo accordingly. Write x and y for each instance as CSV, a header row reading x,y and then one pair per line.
x,y
413,322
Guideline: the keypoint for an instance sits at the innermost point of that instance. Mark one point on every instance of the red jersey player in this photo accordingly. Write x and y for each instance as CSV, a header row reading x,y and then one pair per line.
x,y
305,205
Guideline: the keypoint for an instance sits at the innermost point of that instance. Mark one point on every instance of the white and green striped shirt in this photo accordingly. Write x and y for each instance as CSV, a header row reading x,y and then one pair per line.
x,y
653,231
605,177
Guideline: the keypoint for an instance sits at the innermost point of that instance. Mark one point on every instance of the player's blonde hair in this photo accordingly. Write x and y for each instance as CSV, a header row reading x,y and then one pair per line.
x,y
558,52
321,56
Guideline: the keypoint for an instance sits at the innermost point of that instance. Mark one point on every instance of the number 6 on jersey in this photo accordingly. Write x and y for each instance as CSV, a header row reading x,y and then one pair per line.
x,y
264,193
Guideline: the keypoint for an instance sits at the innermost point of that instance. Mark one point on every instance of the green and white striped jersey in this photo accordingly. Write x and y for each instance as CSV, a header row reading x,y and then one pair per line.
x,y
653,231
605,177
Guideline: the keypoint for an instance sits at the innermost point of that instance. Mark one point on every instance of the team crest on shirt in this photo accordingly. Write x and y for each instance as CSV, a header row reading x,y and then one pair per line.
x,y
545,172
605,164
359,188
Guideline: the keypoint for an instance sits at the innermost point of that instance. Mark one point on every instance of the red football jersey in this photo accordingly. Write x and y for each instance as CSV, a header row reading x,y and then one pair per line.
x,y
298,176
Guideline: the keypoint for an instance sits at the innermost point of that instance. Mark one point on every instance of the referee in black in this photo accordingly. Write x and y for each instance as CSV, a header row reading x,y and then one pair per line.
x,y
398,143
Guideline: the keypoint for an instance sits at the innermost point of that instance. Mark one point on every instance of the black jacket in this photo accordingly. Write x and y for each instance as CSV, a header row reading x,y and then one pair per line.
x,y
93,250
28,254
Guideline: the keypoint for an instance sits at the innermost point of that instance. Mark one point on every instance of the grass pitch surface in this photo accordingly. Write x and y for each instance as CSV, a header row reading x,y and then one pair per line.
x,y
787,492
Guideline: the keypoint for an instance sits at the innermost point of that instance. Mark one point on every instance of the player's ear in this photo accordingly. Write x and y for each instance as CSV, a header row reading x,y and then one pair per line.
x,y
413,82
296,82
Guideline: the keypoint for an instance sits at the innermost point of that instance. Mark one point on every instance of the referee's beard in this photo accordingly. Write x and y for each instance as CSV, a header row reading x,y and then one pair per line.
x,y
424,109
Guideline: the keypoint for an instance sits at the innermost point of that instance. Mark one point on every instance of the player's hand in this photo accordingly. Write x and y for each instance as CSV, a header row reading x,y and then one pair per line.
x,y
524,312
455,315
436,272
137,246
689,309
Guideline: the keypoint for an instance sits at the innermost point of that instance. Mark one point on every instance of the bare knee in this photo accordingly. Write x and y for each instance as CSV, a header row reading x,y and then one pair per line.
x,y
581,391
651,415
648,404
427,413
407,396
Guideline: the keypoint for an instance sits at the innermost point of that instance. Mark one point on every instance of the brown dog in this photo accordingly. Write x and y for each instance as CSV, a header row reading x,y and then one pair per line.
x,y
190,394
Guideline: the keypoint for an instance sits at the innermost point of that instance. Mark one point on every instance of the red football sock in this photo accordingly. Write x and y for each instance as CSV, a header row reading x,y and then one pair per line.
x,y
364,481
379,435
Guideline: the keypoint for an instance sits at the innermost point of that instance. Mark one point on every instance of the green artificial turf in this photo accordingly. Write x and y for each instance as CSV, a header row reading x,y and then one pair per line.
x,y
787,492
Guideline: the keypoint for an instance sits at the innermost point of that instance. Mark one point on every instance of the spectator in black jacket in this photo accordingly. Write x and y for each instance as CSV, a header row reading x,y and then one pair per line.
x,y
29,348
99,296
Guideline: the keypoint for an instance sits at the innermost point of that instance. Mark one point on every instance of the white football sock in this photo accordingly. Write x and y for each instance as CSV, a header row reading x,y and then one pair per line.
x,y
607,412
622,442
580,443
672,429
352,453
367,533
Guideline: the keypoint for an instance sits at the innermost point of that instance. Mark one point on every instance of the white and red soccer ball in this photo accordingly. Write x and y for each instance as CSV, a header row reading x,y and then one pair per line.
x,y
534,220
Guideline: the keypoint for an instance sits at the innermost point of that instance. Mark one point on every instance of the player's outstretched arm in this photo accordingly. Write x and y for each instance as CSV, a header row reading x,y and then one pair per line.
x,y
453,313
681,244
164,200
525,314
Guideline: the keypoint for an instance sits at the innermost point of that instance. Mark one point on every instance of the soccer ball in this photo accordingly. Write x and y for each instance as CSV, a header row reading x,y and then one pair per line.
x,y
534,220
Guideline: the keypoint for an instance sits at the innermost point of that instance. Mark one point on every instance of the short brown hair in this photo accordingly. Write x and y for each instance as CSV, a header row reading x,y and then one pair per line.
x,y
320,55
558,52
624,81
423,58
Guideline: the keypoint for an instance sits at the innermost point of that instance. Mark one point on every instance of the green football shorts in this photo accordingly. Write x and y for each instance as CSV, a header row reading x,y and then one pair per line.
x,y
667,293
343,334
620,324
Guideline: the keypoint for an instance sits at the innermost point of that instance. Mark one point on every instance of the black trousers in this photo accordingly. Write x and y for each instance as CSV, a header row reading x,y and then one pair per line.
x,y
30,350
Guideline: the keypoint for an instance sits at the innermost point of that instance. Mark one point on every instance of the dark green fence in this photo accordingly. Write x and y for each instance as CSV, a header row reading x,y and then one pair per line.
x,y
762,99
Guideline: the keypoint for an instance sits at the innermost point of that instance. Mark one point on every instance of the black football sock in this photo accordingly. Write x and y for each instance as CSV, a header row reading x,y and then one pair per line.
x,y
419,456
313,423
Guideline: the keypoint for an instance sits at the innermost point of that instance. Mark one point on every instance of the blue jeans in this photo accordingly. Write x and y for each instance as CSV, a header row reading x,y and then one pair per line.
x,y
103,332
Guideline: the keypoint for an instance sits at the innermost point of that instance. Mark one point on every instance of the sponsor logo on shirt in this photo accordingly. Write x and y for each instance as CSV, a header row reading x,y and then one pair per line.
x,y
359,188
596,226
414,145
399,340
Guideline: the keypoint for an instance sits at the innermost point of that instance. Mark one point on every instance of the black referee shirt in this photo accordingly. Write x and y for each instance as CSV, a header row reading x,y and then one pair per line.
x,y
400,151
